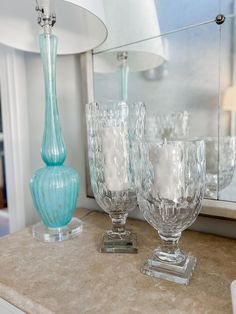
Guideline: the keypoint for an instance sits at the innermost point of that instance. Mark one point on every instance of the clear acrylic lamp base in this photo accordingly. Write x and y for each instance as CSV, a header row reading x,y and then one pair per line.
x,y
69,231
119,243
179,273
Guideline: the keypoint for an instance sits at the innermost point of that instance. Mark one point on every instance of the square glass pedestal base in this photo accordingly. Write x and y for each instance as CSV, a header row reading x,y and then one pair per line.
x,y
45,234
180,273
118,244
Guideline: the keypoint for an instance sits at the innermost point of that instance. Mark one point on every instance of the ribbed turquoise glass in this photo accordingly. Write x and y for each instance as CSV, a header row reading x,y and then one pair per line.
x,y
53,148
55,187
124,77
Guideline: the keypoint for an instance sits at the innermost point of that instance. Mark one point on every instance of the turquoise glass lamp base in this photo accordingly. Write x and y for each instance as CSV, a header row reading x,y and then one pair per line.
x,y
55,187
45,234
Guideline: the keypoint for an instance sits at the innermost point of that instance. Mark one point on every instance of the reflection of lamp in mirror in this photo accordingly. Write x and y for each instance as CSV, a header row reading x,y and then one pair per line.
x,y
129,21
160,72
54,187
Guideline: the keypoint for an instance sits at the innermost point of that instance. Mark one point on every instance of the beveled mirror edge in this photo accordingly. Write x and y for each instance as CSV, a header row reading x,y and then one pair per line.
x,y
219,209
87,90
211,208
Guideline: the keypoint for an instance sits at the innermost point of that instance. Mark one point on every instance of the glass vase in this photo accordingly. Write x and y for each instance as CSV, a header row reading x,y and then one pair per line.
x,y
170,194
111,130
55,187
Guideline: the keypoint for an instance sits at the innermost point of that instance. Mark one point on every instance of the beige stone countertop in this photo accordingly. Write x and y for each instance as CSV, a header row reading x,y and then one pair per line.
x,y
73,277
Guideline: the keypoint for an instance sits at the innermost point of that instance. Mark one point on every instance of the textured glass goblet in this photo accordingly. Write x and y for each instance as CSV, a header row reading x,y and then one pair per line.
x,y
111,129
220,164
170,193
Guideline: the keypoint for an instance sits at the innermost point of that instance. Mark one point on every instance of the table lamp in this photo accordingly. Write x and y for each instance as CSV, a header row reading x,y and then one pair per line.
x,y
129,24
79,27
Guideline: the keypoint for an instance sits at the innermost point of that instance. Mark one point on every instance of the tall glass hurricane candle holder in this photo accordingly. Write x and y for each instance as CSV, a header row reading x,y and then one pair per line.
x,y
54,187
111,131
170,193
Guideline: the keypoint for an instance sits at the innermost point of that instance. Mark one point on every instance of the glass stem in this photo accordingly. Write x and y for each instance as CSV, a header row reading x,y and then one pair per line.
x,y
118,222
169,244
169,250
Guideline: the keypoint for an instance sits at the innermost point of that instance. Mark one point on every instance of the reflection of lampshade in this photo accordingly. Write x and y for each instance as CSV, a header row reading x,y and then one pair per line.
x,y
229,100
80,25
129,21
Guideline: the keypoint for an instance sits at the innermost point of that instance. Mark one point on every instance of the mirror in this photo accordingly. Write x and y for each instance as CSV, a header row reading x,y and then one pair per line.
x,y
186,95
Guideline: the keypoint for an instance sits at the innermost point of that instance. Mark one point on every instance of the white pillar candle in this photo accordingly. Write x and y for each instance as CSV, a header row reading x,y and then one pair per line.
x,y
168,169
115,150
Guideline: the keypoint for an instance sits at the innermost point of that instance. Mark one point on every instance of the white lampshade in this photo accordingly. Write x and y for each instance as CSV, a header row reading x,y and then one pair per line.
x,y
79,25
229,100
130,21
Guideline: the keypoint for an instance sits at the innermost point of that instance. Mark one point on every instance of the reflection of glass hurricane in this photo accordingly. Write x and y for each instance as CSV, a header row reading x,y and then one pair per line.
x,y
168,126
111,131
170,192
220,164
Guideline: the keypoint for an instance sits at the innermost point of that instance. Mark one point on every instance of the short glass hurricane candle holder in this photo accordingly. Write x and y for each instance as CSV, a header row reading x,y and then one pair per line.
x,y
170,193
54,187
111,130
220,164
